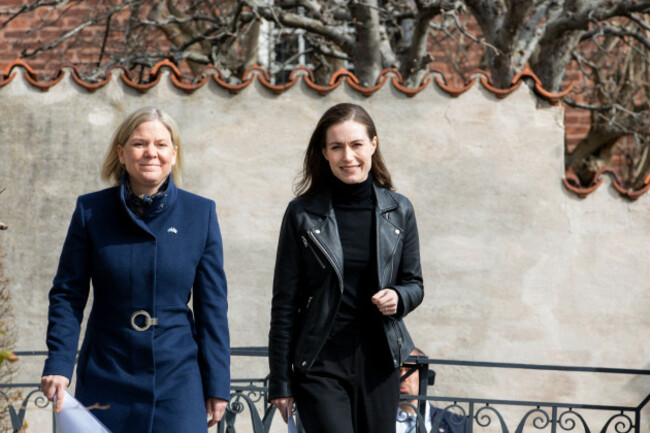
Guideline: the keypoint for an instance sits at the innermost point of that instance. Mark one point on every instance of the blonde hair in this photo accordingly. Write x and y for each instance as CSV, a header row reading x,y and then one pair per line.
x,y
112,169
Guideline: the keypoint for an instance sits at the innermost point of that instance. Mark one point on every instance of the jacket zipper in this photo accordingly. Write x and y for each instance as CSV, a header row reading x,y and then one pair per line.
x,y
338,274
329,258
393,322
306,305
392,259
399,340
320,262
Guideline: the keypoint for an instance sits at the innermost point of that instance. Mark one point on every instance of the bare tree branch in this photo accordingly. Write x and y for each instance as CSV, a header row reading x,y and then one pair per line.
x,y
336,34
14,13
607,29
103,48
638,21
580,21
68,35
465,32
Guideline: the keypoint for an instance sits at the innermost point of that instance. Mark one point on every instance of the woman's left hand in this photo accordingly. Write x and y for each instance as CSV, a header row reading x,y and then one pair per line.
x,y
386,301
215,408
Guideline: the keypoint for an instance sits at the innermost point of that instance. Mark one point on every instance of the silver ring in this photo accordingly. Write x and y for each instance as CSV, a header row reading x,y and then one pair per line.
x,y
148,321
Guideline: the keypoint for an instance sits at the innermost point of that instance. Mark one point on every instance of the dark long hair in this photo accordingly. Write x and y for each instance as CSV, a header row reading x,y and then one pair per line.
x,y
315,166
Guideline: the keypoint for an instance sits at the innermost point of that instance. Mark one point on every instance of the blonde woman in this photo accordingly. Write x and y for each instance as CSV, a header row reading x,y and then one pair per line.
x,y
146,246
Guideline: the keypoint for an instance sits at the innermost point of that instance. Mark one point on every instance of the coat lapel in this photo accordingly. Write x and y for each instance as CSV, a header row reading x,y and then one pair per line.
x,y
324,231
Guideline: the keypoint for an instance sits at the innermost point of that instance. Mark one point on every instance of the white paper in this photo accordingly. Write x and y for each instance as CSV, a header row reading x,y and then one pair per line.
x,y
290,423
75,418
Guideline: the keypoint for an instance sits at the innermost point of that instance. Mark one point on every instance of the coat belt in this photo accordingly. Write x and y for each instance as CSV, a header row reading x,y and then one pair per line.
x,y
140,319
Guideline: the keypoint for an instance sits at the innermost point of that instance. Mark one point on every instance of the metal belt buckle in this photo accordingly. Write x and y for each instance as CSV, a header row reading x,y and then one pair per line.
x,y
148,321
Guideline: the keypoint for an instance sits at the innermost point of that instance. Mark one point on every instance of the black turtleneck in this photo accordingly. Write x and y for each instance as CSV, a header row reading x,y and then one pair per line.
x,y
354,206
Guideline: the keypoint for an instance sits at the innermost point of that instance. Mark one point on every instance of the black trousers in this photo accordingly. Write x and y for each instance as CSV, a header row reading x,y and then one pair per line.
x,y
352,387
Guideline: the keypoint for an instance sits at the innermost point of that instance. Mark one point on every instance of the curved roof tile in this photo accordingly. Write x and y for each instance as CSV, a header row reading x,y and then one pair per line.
x,y
572,183
387,75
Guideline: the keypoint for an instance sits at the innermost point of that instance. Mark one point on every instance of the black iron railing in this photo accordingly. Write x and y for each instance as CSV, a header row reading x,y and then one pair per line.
x,y
249,410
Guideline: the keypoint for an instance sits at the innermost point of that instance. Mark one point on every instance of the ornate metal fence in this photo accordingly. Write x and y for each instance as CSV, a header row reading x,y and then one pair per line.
x,y
249,411
477,414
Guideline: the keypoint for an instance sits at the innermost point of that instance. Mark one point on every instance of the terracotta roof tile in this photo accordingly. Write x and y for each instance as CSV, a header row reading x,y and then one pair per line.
x,y
388,75
572,183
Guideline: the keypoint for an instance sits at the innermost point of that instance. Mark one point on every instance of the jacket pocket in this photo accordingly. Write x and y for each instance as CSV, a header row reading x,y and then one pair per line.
x,y
313,251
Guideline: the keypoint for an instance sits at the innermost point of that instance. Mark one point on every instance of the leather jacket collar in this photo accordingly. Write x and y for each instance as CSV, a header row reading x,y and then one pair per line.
x,y
321,202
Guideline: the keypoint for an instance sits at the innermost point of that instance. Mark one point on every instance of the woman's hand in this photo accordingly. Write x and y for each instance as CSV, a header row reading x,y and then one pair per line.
x,y
215,408
54,385
282,404
386,301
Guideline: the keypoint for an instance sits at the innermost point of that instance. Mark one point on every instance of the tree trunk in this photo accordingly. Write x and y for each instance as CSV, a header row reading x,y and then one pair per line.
x,y
641,172
178,35
414,64
366,54
325,67
249,48
502,70
553,57
600,137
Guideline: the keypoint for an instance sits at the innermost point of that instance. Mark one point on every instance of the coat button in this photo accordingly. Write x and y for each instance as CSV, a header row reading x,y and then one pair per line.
x,y
317,231
304,363
396,231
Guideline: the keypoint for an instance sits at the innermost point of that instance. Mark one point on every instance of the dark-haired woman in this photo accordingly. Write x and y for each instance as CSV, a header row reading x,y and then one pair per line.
x,y
347,272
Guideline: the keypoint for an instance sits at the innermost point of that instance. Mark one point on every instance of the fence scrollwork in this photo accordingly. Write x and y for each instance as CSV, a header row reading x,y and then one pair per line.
x,y
466,415
622,424
484,417
567,421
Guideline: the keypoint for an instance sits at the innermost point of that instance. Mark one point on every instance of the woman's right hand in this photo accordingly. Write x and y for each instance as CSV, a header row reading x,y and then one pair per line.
x,y
54,385
282,404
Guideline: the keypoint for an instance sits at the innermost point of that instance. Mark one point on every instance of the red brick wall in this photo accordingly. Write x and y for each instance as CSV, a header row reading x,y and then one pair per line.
x,y
36,28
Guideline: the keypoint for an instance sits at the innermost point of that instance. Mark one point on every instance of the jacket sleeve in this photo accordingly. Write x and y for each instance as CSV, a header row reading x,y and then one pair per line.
x,y
210,306
408,282
68,298
286,283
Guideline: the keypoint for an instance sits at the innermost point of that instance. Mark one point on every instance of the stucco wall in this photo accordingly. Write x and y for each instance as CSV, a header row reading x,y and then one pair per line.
x,y
516,268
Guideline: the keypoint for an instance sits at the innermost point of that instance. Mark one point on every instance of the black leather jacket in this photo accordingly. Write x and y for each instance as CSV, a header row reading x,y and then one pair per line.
x,y
308,280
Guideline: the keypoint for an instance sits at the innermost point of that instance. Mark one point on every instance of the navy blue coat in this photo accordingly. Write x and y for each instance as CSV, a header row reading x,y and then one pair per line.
x,y
156,380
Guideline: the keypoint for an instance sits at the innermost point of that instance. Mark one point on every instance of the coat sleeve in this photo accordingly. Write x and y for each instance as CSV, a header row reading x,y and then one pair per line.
x,y
210,305
68,298
286,282
408,282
